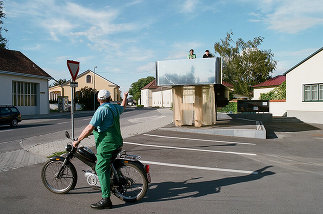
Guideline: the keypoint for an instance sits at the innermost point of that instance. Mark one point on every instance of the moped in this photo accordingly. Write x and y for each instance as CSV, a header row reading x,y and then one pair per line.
x,y
129,177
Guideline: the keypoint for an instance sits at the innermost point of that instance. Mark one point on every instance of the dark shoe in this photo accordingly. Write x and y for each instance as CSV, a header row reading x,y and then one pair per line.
x,y
102,204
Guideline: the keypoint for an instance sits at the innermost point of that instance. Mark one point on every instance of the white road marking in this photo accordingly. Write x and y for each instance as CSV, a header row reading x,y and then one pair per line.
x,y
8,130
62,123
194,139
200,167
8,142
4,142
189,149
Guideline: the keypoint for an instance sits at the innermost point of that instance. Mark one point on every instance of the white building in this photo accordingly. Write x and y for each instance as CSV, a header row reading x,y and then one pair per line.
x,y
154,96
23,83
267,86
304,89
276,107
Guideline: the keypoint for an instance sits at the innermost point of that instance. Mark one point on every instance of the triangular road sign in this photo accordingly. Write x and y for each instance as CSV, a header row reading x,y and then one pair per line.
x,y
73,67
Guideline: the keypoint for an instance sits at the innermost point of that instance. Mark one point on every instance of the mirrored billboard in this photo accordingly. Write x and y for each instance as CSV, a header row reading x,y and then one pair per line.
x,y
204,71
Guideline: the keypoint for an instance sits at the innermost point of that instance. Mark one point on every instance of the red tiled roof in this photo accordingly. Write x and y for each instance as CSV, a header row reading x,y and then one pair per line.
x,y
226,84
278,80
15,61
151,85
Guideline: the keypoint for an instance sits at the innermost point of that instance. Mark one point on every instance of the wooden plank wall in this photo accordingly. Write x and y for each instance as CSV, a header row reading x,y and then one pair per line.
x,y
194,105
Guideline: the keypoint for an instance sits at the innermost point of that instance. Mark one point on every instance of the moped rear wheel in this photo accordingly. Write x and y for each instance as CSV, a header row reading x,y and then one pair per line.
x,y
133,182
62,183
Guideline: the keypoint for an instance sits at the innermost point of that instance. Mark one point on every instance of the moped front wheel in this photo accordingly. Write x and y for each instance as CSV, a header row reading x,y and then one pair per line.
x,y
59,183
133,183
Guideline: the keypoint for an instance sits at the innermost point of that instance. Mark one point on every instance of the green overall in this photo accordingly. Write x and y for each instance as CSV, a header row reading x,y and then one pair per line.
x,y
106,143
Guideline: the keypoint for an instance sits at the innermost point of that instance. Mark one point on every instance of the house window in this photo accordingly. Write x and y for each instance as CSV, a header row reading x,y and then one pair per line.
x,y
313,92
88,79
321,92
24,93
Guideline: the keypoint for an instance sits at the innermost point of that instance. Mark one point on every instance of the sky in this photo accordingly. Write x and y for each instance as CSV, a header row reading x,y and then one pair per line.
x,y
124,38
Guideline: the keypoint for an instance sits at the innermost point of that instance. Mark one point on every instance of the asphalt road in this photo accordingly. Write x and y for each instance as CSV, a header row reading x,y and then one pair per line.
x,y
194,173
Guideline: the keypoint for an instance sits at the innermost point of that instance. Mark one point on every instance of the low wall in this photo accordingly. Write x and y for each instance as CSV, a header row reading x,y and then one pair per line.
x,y
263,117
307,116
277,107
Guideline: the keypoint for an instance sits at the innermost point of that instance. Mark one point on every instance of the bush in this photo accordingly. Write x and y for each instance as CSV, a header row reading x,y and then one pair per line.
x,y
231,107
278,93
85,97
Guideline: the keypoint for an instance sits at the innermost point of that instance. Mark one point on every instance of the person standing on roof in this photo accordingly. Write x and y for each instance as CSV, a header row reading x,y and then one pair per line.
x,y
207,54
191,55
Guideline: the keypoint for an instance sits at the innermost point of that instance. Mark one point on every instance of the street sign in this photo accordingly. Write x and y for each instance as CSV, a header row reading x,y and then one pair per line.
x,y
74,84
73,67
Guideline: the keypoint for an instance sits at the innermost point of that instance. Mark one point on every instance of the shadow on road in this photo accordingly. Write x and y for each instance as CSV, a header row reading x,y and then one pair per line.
x,y
85,190
168,190
287,125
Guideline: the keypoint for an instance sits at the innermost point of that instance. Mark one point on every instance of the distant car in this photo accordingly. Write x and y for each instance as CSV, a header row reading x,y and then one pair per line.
x,y
115,102
9,115
130,102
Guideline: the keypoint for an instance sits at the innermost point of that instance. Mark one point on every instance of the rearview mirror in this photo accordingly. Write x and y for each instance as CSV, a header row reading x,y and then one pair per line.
x,y
67,134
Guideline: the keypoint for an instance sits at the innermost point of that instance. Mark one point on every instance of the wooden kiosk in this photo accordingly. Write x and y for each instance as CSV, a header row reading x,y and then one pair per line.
x,y
193,82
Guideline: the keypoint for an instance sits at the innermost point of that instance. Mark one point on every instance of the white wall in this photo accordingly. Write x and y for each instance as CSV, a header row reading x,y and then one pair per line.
x,y
162,98
146,96
258,91
309,72
277,108
42,95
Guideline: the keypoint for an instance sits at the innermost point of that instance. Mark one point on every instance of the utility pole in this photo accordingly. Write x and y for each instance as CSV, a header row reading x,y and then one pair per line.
x,y
94,87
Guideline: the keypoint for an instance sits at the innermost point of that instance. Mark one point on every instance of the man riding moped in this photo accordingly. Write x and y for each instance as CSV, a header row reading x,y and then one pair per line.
x,y
105,125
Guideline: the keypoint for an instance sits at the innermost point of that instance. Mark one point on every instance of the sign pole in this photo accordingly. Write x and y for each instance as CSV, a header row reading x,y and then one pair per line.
x,y
72,109
73,67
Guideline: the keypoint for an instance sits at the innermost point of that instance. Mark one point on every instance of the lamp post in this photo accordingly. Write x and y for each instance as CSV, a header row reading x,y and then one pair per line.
x,y
94,87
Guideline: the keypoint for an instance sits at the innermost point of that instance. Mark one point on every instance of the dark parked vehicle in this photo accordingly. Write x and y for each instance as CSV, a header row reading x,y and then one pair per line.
x,y
9,115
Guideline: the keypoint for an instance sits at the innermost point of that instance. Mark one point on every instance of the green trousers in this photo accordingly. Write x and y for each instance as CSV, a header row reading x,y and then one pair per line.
x,y
103,170
106,145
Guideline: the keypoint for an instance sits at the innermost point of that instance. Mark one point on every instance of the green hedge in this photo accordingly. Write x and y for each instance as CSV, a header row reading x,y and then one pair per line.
x,y
231,107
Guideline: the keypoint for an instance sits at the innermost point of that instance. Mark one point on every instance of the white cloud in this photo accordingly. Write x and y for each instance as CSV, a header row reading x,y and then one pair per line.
x,y
289,16
67,18
180,50
188,6
134,2
288,59
149,68
35,47
303,53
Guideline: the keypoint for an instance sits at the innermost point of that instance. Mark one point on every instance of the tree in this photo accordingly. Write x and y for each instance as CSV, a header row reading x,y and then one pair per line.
x,y
85,97
244,64
59,82
135,88
3,41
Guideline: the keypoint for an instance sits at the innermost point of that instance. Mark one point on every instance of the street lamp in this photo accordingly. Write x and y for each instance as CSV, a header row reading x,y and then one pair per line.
x,y
94,87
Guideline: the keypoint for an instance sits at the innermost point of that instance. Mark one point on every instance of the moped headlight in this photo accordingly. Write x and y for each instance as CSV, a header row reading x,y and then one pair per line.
x,y
68,147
